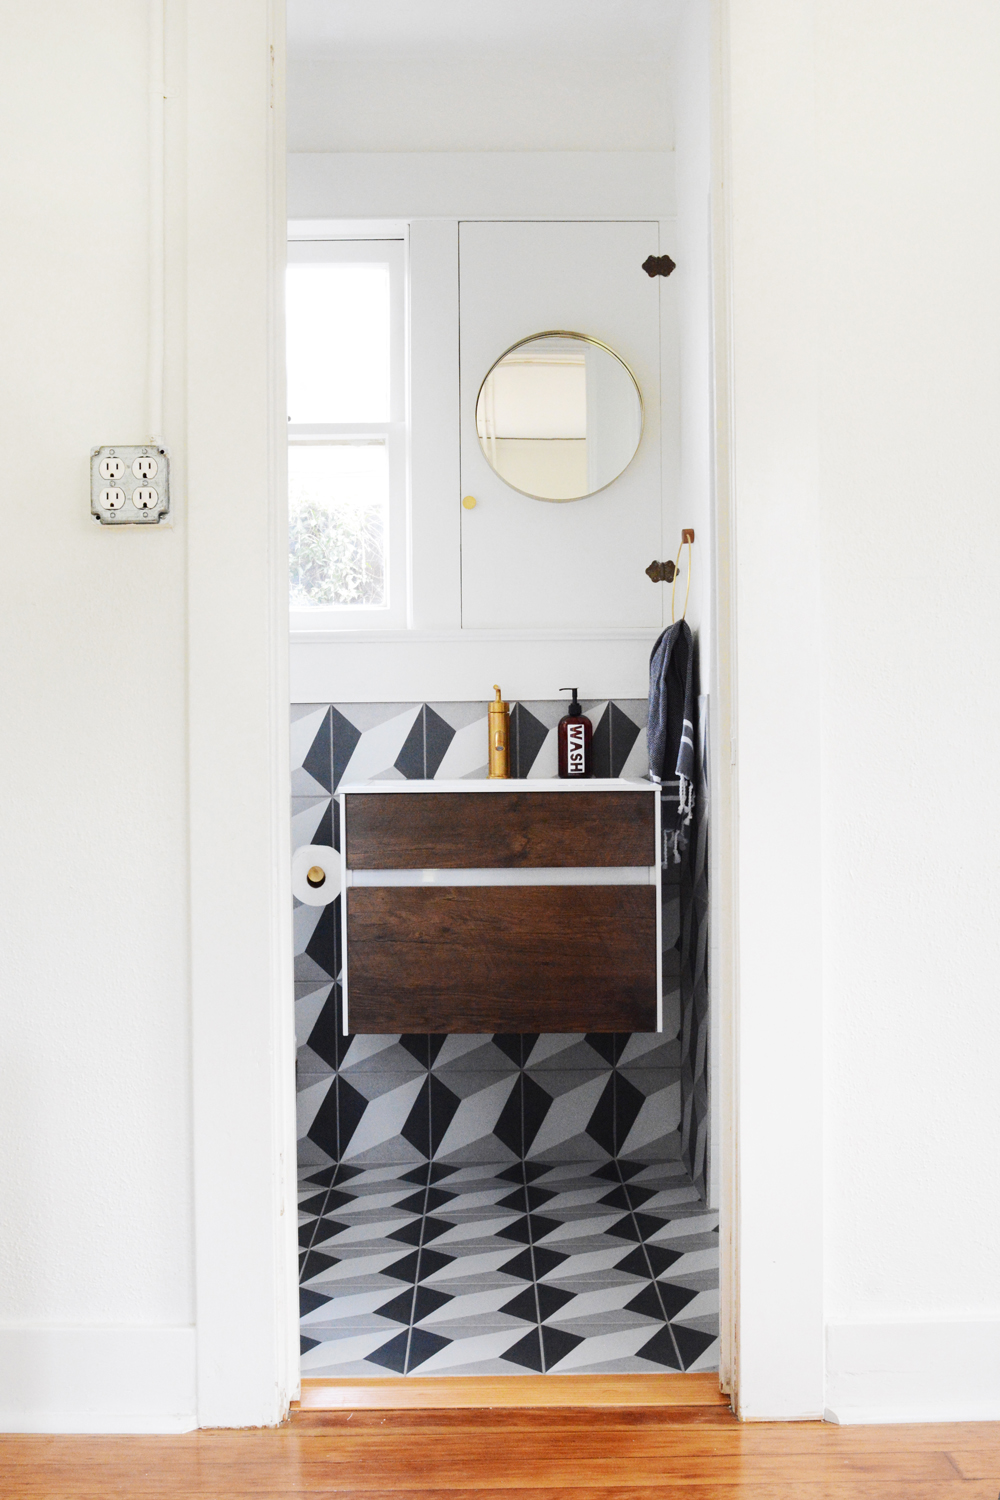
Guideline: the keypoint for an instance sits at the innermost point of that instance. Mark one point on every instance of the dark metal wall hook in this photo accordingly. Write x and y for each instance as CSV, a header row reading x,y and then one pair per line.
x,y
658,265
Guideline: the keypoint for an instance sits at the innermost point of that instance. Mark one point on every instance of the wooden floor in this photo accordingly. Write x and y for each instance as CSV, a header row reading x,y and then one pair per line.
x,y
602,1454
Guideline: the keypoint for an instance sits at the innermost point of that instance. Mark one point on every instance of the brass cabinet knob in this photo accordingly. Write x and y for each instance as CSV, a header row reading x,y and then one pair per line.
x,y
469,502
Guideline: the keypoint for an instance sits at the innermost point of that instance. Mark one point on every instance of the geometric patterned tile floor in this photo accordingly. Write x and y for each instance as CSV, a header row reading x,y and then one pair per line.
x,y
521,1270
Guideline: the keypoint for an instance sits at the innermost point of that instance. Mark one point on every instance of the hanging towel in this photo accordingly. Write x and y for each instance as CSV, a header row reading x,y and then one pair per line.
x,y
670,733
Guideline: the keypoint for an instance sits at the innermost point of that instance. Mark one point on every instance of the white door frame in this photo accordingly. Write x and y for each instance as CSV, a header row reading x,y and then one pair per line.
x,y
241,944
766,779
768,895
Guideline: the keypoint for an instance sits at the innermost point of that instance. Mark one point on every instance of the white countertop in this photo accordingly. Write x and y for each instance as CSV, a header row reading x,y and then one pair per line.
x,y
507,784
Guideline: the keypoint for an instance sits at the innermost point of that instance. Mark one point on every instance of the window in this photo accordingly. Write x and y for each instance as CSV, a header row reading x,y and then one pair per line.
x,y
346,433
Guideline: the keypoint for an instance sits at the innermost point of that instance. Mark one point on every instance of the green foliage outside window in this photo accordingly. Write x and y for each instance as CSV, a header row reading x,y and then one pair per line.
x,y
337,554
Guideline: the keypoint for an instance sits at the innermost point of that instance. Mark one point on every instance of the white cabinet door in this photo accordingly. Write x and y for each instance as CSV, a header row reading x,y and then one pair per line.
x,y
533,563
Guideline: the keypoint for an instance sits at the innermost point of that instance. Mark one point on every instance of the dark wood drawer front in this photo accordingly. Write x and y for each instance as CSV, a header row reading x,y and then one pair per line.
x,y
469,830
501,958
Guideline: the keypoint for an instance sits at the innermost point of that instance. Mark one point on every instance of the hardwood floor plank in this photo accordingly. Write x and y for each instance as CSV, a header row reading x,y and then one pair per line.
x,y
721,1427
677,1431
233,1488
751,1487
977,1463
361,1472
608,1453
670,1445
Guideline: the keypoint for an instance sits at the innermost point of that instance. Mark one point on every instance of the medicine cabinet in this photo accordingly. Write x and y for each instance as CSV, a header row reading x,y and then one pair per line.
x,y
526,563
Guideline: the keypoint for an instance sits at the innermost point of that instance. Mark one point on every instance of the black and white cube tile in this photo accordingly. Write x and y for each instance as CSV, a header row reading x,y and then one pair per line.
x,y
479,1270
368,1101
483,1204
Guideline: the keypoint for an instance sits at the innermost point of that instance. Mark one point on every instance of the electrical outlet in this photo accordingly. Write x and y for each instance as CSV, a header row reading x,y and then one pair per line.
x,y
121,491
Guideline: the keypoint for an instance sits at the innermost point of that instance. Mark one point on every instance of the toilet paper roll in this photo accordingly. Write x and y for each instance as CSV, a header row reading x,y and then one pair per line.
x,y
305,862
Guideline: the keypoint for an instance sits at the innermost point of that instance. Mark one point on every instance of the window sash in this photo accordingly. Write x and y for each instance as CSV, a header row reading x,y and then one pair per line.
x,y
395,433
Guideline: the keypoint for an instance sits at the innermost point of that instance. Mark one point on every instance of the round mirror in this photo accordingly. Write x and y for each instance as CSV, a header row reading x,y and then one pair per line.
x,y
559,416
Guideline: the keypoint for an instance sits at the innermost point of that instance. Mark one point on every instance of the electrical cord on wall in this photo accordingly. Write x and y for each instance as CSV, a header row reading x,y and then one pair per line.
x,y
157,225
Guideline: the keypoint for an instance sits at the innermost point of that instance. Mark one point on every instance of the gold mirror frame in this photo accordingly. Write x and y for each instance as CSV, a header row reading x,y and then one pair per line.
x,y
583,338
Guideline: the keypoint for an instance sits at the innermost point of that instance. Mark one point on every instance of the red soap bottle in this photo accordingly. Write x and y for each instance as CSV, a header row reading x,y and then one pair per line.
x,y
576,734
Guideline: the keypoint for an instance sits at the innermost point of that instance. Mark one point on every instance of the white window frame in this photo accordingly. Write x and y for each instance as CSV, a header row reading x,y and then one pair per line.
x,y
353,249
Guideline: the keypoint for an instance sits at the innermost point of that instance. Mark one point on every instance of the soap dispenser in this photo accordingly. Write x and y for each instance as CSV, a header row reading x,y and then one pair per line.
x,y
576,734
499,723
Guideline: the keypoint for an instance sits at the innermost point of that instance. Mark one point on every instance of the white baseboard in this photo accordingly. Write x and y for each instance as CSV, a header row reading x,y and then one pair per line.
x,y
97,1380
913,1372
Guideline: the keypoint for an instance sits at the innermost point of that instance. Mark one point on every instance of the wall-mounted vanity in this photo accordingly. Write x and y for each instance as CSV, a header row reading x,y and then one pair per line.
x,y
501,906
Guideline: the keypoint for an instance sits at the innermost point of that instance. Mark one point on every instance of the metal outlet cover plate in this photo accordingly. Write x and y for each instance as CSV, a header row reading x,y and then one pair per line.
x,y
129,484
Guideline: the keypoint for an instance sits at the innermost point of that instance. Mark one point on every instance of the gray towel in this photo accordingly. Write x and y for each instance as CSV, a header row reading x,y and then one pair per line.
x,y
670,732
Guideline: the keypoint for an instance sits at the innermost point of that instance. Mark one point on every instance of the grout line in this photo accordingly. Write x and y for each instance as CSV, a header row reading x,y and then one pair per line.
x,y
615,1144
307,1249
420,1252
336,1101
336,1105
338,1020
531,1250
424,1212
527,1208
649,1265
430,1113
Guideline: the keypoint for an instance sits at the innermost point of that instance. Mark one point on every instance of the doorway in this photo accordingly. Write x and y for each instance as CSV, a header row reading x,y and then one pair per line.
x,y
765,889
487,1204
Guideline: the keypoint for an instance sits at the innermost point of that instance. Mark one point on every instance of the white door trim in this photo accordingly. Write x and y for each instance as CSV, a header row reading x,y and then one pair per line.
x,y
767,879
241,947
768,893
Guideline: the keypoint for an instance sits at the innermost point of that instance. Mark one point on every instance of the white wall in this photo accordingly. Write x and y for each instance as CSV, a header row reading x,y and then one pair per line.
x,y
566,75
908,140
695,506
692,283
480,184
768,549
865,315
95,1169
111,636
455,104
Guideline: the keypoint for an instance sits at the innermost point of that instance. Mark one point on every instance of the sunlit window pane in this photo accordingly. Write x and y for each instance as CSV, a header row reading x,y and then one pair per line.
x,y
337,317
338,497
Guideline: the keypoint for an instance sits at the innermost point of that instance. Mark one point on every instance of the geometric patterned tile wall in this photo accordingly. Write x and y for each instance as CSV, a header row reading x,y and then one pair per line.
x,y
462,1100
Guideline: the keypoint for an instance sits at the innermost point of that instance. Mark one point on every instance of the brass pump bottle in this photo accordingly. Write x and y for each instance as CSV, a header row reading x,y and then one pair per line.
x,y
499,737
